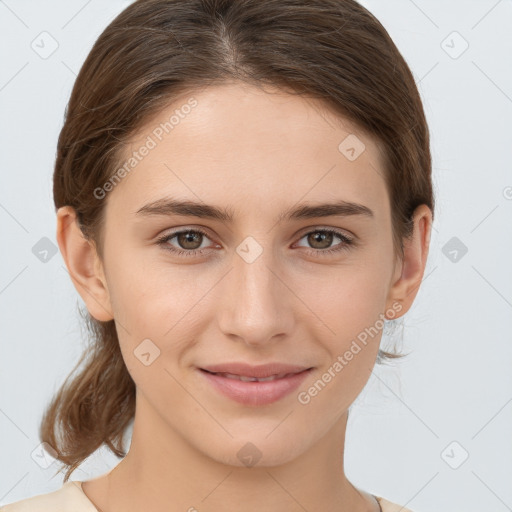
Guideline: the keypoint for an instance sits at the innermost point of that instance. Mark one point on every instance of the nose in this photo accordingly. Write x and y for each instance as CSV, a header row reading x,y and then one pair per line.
x,y
255,305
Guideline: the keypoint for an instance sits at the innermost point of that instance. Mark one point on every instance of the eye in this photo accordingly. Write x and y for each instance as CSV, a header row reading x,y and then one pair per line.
x,y
189,239
190,242
321,240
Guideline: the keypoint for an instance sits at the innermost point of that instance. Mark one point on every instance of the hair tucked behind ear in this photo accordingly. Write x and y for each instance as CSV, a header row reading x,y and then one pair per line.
x,y
155,50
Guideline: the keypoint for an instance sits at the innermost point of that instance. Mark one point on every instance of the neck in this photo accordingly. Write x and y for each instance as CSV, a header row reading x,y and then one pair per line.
x,y
163,472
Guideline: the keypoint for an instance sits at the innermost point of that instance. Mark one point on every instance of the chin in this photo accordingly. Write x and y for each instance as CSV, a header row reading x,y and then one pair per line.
x,y
255,452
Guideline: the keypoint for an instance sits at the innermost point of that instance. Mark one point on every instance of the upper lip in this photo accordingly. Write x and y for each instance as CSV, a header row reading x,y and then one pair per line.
x,y
260,372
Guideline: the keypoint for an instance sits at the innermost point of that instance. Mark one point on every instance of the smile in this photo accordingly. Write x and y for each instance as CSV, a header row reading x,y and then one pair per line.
x,y
254,391
252,379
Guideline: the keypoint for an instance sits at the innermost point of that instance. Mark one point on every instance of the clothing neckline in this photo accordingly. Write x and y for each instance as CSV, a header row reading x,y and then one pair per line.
x,y
78,485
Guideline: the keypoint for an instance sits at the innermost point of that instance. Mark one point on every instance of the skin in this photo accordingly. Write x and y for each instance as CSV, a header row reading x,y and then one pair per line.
x,y
270,152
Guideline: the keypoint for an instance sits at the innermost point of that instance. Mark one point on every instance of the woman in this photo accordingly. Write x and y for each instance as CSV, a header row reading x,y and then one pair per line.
x,y
244,197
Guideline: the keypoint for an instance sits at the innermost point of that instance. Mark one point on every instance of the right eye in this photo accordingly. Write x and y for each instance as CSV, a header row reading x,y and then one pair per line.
x,y
184,237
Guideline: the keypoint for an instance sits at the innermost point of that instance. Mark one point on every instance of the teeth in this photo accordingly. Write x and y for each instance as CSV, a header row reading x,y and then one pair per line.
x,y
252,379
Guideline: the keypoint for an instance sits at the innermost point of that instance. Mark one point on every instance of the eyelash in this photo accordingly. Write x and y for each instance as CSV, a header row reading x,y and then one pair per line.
x,y
346,245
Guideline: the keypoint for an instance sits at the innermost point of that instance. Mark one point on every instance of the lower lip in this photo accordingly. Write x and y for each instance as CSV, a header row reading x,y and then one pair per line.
x,y
256,393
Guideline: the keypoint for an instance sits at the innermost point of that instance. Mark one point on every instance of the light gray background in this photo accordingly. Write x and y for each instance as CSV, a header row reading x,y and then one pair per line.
x,y
413,424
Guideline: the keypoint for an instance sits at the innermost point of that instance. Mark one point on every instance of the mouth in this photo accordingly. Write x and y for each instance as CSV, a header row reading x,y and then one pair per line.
x,y
255,391
245,378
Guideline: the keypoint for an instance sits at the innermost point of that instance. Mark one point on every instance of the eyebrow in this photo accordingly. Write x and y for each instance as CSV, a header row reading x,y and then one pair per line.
x,y
168,207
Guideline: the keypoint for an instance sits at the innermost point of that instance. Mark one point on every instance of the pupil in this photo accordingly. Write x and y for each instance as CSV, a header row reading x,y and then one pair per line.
x,y
322,237
189,237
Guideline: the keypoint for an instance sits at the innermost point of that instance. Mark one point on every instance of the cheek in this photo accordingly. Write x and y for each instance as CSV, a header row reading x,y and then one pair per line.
x,y
351,307
149,294
350,297
153,297
155,307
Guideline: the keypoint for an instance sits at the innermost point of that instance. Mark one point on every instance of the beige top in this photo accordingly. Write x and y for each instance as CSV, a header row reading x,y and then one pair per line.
x,y
71,498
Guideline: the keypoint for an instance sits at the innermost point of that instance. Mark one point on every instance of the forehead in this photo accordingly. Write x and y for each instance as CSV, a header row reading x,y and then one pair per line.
x,y
235,144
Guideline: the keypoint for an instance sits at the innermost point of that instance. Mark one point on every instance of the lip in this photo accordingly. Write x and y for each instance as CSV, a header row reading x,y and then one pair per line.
x,y
260,371
256,393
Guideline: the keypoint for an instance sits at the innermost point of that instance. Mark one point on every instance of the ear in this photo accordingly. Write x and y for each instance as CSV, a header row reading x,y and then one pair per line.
x,y
84,265
409,271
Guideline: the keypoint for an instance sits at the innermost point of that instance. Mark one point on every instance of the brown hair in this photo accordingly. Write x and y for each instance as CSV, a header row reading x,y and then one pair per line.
x,y
155,50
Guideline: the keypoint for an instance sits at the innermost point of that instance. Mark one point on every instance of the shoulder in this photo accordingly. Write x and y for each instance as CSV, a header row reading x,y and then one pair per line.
x,y
69,498
388,506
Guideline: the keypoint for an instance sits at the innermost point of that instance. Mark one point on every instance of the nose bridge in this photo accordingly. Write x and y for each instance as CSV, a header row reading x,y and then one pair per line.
x,y
254,303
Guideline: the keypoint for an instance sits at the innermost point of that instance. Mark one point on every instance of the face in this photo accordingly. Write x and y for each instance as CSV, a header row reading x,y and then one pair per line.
x,y
257,284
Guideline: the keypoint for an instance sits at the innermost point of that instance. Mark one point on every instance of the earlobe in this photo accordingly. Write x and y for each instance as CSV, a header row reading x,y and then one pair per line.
x,y
406,282
83,265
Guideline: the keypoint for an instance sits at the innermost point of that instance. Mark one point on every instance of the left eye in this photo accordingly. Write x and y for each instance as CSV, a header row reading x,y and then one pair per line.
x,y
190,241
